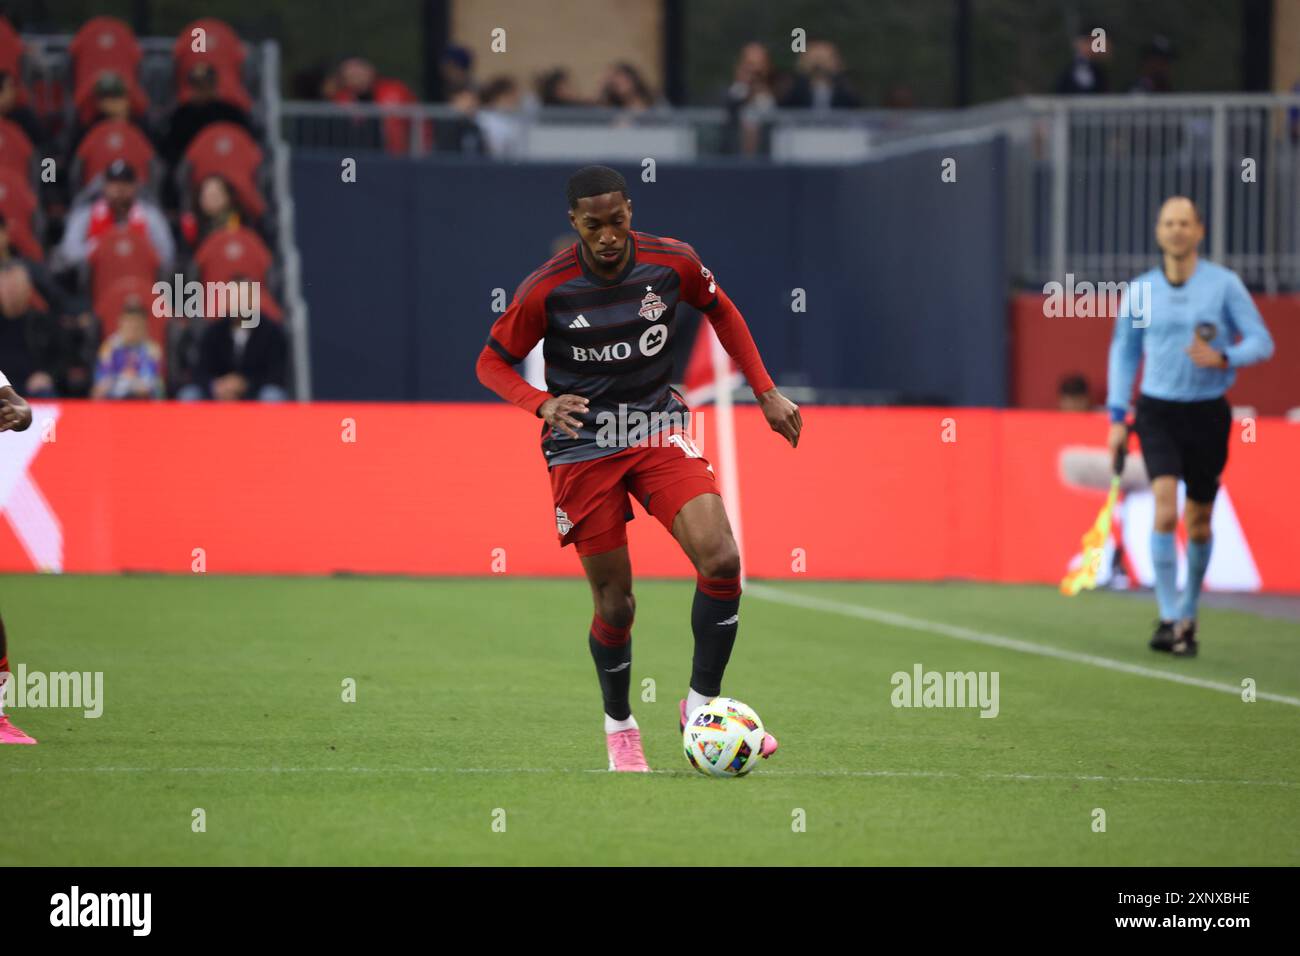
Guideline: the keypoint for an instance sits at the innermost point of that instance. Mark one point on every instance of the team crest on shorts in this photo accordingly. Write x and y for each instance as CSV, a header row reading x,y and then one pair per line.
x,y
562,522
652,306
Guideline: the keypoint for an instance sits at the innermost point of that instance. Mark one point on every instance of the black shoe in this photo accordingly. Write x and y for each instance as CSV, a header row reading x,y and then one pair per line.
x,y
1163,638
1184,640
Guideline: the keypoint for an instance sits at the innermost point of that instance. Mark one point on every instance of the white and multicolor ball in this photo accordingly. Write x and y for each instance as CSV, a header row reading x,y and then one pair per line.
x,y
723,738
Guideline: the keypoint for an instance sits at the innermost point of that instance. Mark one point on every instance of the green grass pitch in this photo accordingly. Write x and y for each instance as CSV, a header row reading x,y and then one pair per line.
x,y
477,696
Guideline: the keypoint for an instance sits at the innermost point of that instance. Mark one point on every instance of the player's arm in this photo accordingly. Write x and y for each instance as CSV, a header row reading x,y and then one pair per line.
x,y
511,338
701,290
1125,356
15,413
1256,344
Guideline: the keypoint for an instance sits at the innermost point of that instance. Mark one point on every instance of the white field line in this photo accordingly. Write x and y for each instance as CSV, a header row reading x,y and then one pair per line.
x,y
906,774
776,595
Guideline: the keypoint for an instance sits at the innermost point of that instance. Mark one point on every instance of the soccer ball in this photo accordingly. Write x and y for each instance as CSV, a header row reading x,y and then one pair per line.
x,y
723,738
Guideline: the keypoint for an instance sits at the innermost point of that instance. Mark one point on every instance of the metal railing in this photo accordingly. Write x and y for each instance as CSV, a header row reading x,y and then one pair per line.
x,y
1085,175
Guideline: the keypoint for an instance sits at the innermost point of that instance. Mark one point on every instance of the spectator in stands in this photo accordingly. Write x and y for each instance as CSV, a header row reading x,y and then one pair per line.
x,y
1072,394
456,71
19,115
28,333
203,108
129,364
821,84
625,89
461,134
215,207
236,363
119,203
750,99
555,88
499,120
1085,73
1154,72
112,101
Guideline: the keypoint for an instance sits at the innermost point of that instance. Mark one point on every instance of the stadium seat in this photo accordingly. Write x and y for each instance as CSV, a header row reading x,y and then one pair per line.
x,y
226,150
225,52
84,99
103,43
18,203
15,148
122,290
228,253
122,251
113,139
11,49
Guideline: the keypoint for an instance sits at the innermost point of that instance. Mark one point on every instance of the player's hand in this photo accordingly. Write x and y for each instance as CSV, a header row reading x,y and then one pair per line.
x,y
560,412
1204,355
782,414
14,416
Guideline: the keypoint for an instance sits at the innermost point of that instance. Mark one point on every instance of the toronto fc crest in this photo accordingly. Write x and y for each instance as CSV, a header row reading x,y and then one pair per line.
x,y
562,522
652,306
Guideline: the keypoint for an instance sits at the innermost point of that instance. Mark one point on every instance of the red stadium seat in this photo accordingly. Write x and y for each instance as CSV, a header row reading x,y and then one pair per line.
x,y
226,150
15,148
103,43
228,253
84,98
11,49
225,52
18,202
122,251
119,292
114,139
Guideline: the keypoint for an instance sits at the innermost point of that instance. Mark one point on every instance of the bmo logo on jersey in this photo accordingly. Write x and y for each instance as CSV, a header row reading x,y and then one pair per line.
x,y
651,343
611,352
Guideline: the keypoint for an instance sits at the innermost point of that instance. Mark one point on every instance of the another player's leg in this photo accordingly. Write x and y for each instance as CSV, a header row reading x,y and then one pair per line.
x,y
610,640
9,734
1164,558
702,529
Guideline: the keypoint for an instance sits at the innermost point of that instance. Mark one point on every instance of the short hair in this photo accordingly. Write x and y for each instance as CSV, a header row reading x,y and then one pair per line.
x,y
1196,210
595,181
1074,384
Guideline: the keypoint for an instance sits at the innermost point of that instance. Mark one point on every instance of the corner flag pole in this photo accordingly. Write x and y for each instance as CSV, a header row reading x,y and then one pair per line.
x,y
722,383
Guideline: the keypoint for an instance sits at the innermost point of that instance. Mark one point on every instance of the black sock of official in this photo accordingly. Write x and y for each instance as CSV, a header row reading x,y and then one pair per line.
x,y
611,649
715,616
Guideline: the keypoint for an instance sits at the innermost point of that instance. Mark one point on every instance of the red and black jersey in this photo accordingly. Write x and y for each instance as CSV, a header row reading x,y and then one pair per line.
x,y
610,340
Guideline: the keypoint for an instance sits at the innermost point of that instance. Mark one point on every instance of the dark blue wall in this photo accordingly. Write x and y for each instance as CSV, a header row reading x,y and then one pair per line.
x,y
904,273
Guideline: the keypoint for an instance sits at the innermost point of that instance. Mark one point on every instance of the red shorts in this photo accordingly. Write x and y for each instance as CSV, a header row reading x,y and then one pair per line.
x,y
593,498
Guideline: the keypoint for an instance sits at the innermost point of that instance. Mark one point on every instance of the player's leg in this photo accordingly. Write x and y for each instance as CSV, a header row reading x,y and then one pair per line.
x,y
702,529
1210,427
609,572
9,734
1156,425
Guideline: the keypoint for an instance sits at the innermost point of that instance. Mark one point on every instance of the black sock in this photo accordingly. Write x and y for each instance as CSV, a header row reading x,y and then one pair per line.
x,y
611,649
715,617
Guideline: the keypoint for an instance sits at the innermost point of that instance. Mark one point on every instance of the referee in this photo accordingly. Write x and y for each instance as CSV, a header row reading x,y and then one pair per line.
x,y
1200,325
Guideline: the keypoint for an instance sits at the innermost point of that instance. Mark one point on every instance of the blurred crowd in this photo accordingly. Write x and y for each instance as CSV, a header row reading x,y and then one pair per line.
x,y
107,188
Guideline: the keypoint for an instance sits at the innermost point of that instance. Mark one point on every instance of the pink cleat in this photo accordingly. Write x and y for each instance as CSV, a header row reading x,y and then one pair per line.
x,y
625,753
9,734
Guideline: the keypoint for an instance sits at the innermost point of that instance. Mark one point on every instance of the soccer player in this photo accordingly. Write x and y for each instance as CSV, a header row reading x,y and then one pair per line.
x,y
1200,326
15,415
604,309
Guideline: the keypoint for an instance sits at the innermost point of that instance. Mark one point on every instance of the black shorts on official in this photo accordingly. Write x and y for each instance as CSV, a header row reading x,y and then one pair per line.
x,y
1188,440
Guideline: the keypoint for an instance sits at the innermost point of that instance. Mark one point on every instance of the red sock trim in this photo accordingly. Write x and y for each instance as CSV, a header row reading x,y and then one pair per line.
x,y
607,635
724,589
4,663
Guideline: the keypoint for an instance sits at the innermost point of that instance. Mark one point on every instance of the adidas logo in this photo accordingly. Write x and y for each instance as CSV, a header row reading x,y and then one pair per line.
x,y
734,619
580,323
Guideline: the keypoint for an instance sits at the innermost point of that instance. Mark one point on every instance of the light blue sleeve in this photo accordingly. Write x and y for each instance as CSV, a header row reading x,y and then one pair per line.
x,y
1256,343
1125,354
